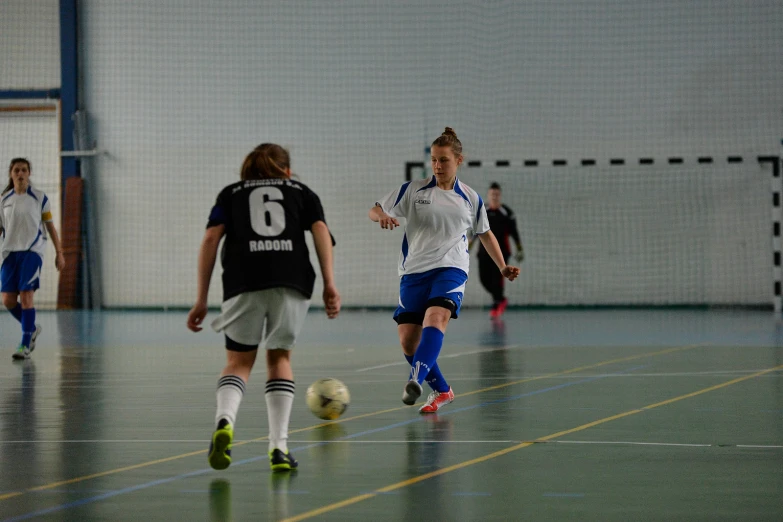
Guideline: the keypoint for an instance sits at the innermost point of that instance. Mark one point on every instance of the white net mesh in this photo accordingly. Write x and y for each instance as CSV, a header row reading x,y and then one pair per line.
x,y
178,91
637,235
30,130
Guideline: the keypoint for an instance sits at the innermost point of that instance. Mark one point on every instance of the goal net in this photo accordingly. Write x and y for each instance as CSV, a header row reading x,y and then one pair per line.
x,y
682,234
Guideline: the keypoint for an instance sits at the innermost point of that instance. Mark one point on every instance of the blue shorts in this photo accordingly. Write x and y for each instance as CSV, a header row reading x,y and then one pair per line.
x,y
21,271
438,287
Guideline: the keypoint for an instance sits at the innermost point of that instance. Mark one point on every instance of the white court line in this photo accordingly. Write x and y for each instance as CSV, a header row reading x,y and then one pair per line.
x,y
584,442
632,443
152,383
421,441
581,375
696,374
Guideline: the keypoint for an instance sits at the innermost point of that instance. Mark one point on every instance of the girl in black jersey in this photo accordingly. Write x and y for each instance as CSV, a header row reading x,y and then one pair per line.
x,y
267,281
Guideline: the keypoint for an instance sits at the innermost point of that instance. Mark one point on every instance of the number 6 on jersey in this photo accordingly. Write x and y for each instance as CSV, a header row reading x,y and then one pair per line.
x,y
264,202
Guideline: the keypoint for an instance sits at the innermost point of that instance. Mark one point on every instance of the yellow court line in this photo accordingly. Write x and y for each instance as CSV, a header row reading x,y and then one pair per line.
x,y
74,480
465,464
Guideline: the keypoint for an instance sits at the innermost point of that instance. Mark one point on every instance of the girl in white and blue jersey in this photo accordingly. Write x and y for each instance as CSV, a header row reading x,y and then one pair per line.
x,y
434,262
25,219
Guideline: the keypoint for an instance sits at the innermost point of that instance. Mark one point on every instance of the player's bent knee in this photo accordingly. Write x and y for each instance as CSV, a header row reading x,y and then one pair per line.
x,y
409,345
240,363
410,335
9,300
438,318
26,299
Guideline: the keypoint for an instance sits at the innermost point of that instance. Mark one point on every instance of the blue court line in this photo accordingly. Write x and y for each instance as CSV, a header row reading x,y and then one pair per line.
x,y
96,498
190,474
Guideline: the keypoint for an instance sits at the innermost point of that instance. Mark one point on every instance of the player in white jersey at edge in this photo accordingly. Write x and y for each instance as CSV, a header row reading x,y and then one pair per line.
x,y
434,262
25,219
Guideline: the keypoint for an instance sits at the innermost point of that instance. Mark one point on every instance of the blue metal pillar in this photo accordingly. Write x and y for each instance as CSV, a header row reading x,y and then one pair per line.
x,y
69,82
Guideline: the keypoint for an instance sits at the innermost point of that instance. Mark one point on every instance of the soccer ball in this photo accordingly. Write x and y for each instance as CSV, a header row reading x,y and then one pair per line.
x,y
328,398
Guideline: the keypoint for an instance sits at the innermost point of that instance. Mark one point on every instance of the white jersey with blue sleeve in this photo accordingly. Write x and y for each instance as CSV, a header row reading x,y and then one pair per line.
x,y
437,224
23,221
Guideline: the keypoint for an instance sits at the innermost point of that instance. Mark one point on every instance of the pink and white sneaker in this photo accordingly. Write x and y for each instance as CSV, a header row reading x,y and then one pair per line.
x,y
436,400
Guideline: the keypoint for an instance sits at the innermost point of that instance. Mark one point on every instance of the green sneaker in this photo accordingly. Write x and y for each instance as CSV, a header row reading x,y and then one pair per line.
x,y
21,353
220,448
280,461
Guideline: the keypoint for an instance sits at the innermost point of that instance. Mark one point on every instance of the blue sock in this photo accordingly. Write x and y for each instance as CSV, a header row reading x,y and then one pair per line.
x,y
28,325
426,353
16,311
435,378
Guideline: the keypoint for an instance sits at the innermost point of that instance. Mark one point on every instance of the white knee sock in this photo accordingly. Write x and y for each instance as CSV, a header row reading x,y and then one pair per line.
x,y
229,395
279,401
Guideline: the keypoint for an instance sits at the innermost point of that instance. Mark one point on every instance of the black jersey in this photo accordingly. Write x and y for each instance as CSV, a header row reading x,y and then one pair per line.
x,y
265,247
503,224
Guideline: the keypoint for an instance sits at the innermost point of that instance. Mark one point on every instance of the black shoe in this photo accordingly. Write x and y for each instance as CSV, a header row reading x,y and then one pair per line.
x,y
280,461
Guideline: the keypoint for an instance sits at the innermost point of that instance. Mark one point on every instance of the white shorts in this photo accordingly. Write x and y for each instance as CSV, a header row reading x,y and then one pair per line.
x,y
282,310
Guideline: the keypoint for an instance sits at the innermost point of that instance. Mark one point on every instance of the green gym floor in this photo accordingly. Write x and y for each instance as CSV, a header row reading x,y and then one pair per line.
x,y
605,415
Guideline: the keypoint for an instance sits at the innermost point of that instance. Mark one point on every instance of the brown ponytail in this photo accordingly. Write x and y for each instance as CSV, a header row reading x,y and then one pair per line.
x,y
268,160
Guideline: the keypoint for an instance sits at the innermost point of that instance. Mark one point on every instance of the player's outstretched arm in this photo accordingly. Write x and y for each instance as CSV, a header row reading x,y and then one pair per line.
x,y
59,260
493,249
379,216
322,240
206,263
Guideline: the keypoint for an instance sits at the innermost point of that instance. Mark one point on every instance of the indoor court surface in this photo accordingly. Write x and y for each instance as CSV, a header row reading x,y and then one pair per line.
x,y
610,415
